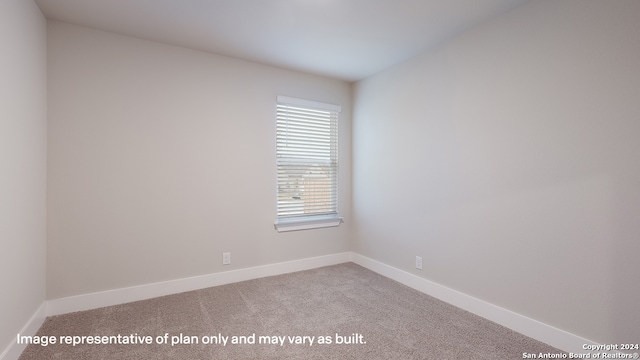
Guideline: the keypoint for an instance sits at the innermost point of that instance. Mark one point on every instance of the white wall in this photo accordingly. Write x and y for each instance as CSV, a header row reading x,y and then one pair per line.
x,y
23,110
508,159
162,158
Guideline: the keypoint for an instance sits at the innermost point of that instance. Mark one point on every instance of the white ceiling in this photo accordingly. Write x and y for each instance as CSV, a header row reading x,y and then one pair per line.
x,y
346,39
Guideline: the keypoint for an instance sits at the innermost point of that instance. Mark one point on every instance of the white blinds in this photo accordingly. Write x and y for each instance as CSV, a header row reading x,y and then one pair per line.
x,y
307,158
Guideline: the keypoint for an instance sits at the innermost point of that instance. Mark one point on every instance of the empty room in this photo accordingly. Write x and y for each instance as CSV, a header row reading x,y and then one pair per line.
x,y
319,179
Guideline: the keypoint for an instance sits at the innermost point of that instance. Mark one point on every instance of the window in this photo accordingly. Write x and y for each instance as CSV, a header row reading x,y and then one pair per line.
x,y
307,162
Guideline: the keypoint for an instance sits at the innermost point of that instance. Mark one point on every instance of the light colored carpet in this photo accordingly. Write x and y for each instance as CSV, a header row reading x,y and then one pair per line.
x,y
395,321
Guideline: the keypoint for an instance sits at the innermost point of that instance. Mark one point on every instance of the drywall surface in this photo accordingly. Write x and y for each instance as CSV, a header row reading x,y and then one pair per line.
x,y
508,159
23,166
162,158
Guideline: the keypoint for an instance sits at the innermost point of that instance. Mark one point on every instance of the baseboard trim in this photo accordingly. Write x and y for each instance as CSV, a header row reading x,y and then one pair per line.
x,y
548,334
535,329
147,291
13,351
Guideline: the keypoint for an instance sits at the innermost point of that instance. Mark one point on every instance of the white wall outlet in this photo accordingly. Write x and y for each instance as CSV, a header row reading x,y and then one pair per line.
x,y
419,262
226,258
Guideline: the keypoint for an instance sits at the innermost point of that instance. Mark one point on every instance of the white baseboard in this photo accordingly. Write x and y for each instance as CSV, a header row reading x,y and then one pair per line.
x,y
548,334
142,292
529,327
13,351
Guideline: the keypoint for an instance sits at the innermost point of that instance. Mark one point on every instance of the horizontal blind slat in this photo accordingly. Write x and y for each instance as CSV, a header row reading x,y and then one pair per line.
x,y
307,160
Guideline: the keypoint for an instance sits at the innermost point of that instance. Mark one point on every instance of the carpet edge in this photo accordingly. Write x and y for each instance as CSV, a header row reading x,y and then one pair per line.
x,y
532,328
147,291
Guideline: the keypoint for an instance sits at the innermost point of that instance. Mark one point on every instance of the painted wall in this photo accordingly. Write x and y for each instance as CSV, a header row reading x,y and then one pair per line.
x,y
23,166
162,158
508,159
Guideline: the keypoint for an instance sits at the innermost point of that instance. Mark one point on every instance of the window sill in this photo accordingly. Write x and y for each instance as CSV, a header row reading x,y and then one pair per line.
x,y
305,223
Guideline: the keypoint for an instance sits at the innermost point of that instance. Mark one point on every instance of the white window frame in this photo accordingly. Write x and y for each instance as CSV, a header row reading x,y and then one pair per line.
x,y
300,221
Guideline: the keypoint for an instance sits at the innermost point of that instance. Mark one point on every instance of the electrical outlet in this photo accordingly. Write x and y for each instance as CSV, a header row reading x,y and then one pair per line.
x,y
226,258
419,262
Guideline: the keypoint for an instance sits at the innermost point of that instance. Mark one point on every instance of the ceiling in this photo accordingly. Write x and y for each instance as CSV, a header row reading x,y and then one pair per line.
x,y
345,39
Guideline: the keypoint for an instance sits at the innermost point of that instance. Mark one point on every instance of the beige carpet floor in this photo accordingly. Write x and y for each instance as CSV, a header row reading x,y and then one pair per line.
x,y
380,318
